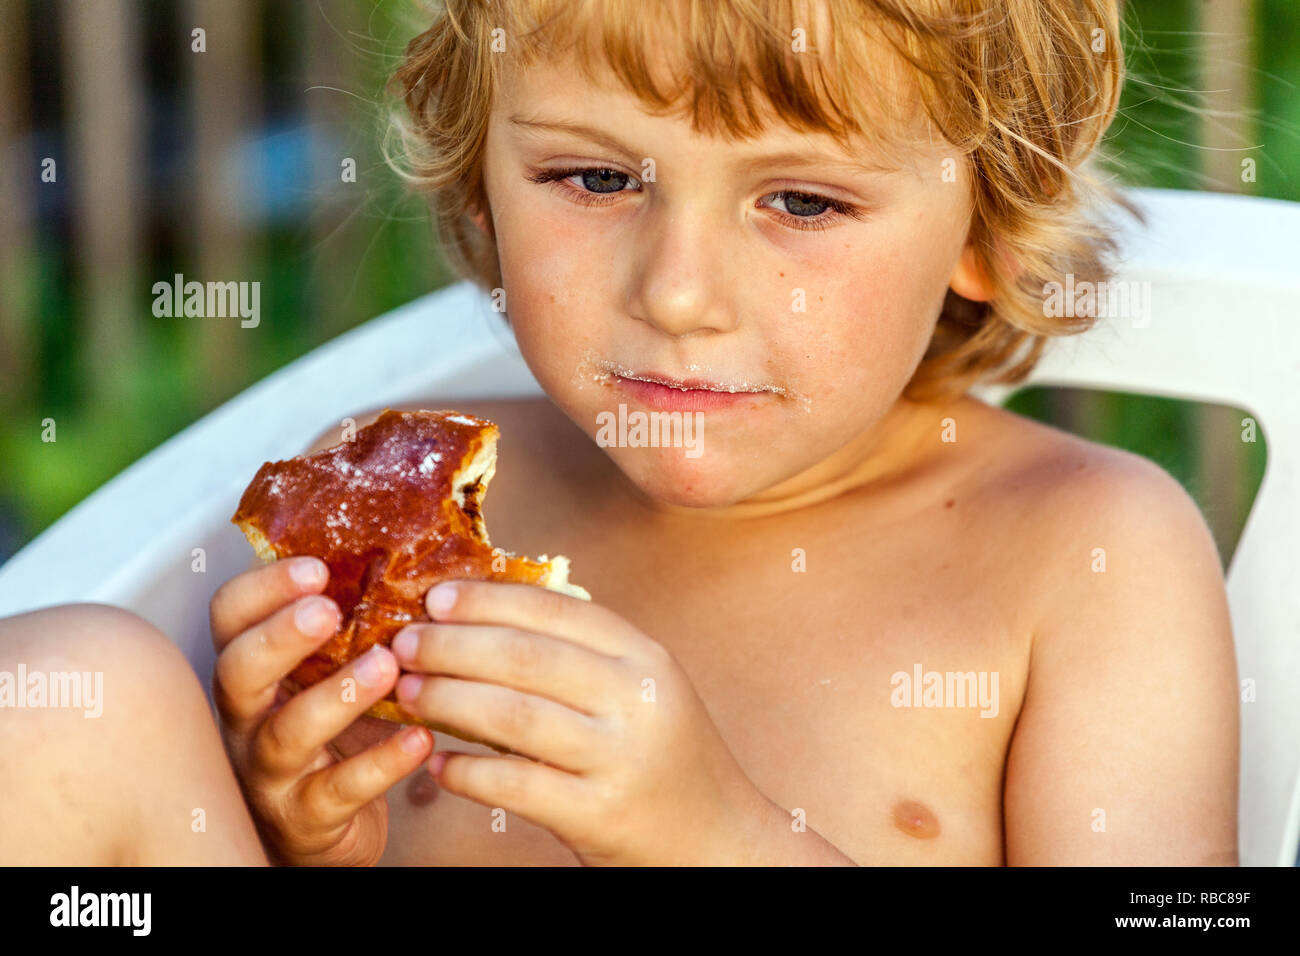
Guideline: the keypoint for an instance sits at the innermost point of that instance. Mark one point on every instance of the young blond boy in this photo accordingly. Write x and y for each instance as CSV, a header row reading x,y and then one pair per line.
x,y
810,227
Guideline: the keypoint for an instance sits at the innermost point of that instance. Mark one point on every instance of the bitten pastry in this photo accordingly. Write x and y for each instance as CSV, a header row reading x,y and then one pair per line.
x,y
391,512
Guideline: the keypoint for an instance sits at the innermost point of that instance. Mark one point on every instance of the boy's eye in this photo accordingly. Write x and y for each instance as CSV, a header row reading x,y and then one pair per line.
x,y
589,180
801,210
802,204
604,180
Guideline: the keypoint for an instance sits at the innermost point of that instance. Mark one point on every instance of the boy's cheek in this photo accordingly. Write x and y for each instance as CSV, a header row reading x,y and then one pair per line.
x,y
541,273
553,300
544,248
866,349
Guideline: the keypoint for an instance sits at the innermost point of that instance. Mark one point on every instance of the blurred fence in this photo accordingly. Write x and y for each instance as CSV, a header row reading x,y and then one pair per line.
x,y
145,139
205,138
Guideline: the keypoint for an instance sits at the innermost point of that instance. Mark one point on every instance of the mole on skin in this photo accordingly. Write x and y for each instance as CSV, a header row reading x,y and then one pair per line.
x,y
916,819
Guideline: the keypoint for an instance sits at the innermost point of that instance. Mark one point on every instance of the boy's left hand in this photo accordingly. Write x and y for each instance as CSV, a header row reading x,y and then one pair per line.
x,y
627,767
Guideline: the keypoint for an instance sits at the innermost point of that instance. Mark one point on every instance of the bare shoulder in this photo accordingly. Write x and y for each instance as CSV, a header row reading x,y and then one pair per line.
x,y
1086,494
1098,537
1074,496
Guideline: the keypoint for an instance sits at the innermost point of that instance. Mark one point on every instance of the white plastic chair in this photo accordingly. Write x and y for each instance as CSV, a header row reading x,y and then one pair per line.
x,y
1223,292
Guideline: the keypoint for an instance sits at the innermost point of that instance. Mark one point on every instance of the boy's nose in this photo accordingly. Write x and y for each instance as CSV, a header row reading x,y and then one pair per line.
x,y
682,282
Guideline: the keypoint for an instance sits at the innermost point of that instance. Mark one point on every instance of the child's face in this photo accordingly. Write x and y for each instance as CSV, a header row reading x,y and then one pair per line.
x,y
700,275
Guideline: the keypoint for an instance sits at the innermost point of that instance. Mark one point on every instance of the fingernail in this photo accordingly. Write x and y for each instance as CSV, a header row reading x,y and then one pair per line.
x,y
437,762
409,686
404,644
412,740
313,616
371,667
308,572
441,598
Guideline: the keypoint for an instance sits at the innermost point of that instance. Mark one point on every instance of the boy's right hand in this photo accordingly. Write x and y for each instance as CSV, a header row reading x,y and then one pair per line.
x,y
311,806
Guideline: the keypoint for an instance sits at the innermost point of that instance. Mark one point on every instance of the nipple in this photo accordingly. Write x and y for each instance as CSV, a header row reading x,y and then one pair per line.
x,y
916,820
423,789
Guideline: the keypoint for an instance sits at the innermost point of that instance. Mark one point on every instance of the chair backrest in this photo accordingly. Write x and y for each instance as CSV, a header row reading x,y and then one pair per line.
x,y
157,538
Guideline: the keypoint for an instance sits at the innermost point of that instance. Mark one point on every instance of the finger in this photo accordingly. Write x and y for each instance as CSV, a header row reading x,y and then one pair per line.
x,y
526,724
291,738
334,795
542,795
253,596
573,675
530,608
252,665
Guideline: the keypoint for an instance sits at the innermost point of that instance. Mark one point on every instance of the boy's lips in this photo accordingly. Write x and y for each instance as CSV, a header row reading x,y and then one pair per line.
x,y
685,396
672,392
690,384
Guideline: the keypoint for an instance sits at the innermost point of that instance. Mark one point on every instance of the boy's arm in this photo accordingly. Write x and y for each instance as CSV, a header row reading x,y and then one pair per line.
x,y
1125,751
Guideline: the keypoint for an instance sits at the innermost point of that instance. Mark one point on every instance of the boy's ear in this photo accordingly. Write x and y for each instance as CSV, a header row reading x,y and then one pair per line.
x,y
479,216
968,280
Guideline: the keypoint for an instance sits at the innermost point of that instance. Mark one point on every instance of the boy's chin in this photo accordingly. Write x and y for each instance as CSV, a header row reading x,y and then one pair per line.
x,y
683,483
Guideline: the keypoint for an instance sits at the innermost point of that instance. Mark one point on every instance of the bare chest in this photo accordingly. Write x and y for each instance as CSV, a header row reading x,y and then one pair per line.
x,y
866,682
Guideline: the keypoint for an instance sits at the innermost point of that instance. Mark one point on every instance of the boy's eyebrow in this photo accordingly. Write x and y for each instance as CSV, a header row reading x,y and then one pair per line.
x,y
748,163
818,160
577,129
